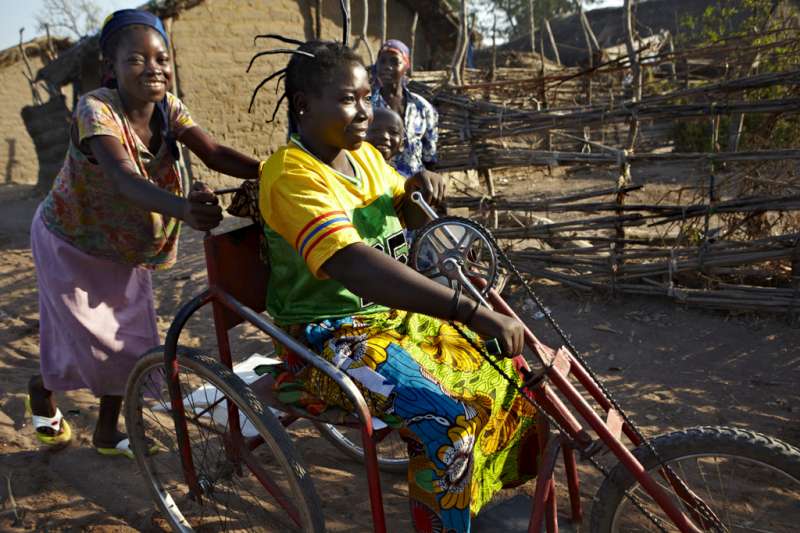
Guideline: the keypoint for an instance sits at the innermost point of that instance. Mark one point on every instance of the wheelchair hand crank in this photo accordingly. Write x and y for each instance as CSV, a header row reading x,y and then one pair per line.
x,y
451,268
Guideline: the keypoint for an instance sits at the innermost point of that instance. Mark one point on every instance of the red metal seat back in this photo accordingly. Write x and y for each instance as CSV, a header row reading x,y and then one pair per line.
x,y
234,265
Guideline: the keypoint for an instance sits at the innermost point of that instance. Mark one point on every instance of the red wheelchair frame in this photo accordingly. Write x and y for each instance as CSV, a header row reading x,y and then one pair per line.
x,y
237,287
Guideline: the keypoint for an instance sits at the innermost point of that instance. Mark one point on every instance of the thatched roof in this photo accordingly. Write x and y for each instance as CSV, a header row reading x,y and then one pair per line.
x,y
33,48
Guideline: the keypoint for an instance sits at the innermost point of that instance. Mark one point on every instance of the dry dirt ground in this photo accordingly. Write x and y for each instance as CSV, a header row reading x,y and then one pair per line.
x,y
671,367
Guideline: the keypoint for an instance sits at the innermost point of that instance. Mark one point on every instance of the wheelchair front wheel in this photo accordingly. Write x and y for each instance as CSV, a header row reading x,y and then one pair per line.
x,y
392,450
245,475
748,482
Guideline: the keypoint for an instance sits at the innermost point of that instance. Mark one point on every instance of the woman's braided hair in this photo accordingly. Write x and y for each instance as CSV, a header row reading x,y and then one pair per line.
x,y
310,69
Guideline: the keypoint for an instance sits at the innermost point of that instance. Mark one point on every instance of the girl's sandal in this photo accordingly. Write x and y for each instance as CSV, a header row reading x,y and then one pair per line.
x,y
123,448
57,423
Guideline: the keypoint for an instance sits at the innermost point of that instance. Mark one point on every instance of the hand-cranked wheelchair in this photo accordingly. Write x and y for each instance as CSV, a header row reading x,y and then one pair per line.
x,y
225,461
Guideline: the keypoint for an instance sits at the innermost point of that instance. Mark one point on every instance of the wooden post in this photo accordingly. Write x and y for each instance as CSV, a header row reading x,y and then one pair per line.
x,y
51,49
624,179
461,46
493,73
589,52
414,22
383,21
362,37
542,71
673,71
552,41
586,38
589,31
318,19
349,23
636,70
531,27
486,175
715,147
737,125
28,72
467,42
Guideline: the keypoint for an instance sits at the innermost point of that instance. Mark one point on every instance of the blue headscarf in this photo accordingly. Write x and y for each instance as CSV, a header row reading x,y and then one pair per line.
x,y
127,17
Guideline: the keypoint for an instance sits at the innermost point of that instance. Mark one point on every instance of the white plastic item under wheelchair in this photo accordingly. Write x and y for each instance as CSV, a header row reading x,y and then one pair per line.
x,y
201,398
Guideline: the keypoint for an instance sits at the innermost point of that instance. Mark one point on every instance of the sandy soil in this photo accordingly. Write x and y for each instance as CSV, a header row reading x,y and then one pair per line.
x,y
671,367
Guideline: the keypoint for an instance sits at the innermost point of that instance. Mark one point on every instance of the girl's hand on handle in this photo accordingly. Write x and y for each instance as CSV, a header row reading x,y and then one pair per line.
x,y
201,210
508,331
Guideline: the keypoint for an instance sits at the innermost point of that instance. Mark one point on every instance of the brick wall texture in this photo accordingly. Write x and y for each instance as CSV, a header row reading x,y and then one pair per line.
x,y
213,44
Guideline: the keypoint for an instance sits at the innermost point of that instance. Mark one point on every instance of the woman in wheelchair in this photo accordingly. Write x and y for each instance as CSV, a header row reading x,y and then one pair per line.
x,y
334,212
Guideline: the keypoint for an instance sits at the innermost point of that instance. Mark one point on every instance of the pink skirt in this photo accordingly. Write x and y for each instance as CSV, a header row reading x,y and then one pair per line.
x,y
96,317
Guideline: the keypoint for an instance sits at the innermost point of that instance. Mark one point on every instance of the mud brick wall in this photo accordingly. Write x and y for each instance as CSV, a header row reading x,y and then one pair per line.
x,y
18,161
214,43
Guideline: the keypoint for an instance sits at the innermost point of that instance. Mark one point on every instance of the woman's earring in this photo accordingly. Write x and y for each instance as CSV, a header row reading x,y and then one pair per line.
x,y
301,112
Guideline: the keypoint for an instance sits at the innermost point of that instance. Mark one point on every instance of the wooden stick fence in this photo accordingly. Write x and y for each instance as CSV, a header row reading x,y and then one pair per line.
x,y
665,266
700,251
466,157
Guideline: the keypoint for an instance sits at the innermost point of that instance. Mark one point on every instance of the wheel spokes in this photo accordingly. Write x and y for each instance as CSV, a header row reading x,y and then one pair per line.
x,y
238,489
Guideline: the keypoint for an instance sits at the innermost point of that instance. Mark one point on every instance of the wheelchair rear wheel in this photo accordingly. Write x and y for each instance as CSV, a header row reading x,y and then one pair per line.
x,y
245,474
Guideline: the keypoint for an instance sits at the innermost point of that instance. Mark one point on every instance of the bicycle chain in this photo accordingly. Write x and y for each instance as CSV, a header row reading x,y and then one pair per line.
x,y
555,424
704,510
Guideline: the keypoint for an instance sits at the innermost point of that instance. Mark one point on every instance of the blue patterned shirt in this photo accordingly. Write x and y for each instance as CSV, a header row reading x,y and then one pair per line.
x,y
421,125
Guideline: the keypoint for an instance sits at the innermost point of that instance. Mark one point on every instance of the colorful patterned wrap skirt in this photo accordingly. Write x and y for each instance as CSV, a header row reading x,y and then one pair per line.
x,y
469,432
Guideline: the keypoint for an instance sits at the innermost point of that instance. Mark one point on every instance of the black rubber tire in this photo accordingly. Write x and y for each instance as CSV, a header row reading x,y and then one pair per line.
x,y
698,441
276,440
355,452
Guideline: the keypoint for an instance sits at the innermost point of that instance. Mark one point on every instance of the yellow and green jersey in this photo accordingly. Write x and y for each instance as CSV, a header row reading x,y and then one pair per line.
x,y
311,212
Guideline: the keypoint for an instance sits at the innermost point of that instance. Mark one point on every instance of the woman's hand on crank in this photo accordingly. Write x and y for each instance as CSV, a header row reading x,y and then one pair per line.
x,y
201,210
509,332
430,184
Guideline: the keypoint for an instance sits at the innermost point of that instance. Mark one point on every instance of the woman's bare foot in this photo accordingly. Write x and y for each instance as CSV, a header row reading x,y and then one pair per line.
x,y
105,432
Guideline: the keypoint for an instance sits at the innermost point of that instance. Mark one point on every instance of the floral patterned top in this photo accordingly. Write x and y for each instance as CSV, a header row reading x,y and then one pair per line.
x,y
421,124
82,207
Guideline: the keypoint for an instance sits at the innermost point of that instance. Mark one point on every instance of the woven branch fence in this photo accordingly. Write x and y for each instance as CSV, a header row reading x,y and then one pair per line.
x,y
732,242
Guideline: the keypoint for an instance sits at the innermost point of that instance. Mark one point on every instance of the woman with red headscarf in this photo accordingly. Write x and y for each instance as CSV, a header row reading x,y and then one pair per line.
x,y
419,116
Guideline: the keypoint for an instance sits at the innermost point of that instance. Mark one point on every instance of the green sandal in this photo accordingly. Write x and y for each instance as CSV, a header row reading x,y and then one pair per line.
x,y
123,448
